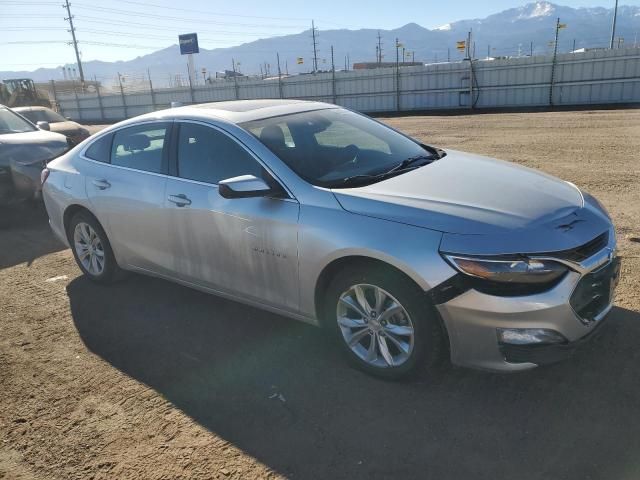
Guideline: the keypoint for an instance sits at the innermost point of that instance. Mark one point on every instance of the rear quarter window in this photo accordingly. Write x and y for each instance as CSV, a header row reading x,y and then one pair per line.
x,y
100,150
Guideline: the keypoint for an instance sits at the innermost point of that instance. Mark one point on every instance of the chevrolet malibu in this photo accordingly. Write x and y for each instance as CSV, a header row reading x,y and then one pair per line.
x,y
407,253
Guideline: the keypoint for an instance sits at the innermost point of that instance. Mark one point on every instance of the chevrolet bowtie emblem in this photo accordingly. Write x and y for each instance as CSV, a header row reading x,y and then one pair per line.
x,y
569,226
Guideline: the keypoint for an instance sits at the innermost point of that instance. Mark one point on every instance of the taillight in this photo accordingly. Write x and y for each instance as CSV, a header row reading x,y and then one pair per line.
x,y
44,175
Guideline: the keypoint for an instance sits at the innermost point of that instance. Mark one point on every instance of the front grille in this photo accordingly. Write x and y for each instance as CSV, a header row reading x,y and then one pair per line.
x,y
581,253
594,291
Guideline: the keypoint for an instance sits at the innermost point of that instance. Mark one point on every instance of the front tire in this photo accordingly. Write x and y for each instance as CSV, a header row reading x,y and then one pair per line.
x,y
384,322
91,249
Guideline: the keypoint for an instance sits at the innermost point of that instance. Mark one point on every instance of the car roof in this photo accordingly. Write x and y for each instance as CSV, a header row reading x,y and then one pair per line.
x,y
29,109
237,111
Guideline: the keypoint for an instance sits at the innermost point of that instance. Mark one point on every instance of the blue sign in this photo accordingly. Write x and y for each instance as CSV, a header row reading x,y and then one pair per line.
x,y
188,43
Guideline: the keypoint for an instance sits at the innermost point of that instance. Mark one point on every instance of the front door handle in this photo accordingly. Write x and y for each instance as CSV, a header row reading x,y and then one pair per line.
x,y
180,200
101,184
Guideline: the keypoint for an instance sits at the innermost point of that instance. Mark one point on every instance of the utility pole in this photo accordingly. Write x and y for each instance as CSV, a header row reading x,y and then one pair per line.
x,y
333,77
315,47
469,57
553,62
75,42
235,78
279,75
448,55
153,97
613,25
124,101
574,45
531,49
397,75
379,49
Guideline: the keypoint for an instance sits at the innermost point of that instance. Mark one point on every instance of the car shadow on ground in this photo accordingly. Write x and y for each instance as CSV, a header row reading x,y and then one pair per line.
x,y
280,391
25,234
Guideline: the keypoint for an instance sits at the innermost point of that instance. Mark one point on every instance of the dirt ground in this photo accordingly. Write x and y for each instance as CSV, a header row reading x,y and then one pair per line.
x,y
147,379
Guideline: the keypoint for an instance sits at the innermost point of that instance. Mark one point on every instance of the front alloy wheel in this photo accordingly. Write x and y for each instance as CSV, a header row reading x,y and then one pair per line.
x,y
384,321
375,326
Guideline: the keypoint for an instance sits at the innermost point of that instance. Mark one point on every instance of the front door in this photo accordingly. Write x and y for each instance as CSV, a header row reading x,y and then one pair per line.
x,y
243,246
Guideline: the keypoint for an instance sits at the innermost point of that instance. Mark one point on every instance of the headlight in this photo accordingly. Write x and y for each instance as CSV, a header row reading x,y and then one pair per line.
x,y
508,277
516,270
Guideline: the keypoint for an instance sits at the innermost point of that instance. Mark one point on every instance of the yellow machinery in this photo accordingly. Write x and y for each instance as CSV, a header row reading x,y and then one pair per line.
x,y
22,92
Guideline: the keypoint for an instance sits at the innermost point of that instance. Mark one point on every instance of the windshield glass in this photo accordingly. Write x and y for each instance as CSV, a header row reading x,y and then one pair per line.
x,y
325,147
43,116
12,123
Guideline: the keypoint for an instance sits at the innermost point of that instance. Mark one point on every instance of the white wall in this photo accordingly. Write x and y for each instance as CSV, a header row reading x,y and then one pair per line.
x,y
598,77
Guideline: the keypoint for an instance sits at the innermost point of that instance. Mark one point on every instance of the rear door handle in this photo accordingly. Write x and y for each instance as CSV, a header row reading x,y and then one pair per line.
x,y
101,184
180,200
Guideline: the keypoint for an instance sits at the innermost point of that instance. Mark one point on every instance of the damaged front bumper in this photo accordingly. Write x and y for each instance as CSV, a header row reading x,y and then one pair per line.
x,y
572,310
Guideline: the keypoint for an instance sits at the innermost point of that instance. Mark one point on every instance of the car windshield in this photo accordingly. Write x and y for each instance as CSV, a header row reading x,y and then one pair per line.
x,y
330,147
43,116
12,123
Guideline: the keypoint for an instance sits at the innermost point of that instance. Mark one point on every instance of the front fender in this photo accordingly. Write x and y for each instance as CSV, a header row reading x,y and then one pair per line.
x,y
327,235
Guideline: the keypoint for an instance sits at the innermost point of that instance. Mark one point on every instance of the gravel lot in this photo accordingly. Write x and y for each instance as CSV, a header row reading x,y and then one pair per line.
x,y
147,379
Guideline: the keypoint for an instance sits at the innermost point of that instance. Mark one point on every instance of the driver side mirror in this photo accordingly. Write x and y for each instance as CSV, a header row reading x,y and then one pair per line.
x,y
247,186
43,126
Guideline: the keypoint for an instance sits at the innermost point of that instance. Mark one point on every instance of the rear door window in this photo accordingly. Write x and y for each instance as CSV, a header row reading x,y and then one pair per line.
x,y
142,147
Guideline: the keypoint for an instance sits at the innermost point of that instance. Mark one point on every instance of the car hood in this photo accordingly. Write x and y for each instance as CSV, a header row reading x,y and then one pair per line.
x,y
31,147
66,128
501,205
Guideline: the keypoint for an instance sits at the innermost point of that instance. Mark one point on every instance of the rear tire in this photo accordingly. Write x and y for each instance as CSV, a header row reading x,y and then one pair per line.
x,y
380,306
92,250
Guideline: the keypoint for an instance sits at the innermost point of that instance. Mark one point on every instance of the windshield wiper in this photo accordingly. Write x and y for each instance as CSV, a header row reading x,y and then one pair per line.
x,y
406,164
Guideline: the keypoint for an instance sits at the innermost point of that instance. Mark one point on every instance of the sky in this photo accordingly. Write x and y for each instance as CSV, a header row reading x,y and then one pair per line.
x,y
34,33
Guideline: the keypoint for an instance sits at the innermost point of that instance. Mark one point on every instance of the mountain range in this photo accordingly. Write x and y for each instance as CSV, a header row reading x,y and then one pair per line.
x,y
516,31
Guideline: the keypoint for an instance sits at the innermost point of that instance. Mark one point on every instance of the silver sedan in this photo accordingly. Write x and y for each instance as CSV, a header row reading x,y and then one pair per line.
x,y
407,253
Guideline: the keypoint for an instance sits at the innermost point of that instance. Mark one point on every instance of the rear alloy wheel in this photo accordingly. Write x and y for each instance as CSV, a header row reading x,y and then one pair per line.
x,y
384,322
91,249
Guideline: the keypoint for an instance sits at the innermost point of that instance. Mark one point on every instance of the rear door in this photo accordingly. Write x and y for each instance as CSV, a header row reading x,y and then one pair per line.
x,y
127,193
243,246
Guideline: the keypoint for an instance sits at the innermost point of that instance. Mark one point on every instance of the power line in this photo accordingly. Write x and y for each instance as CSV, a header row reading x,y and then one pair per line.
x,y
75,42
189,10
129,13
98,20
147,35
85,42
